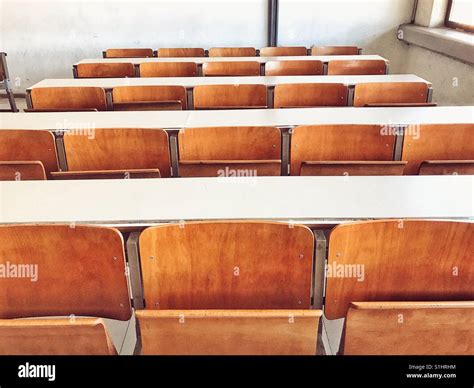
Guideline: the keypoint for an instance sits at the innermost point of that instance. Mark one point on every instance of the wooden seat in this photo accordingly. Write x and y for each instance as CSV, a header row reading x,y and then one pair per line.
x,y
340,143
168,69
357,67
303,67
446,167
55,337
243,96
129,53
283,51
22,171
229,151
243,68
390,93
436,142
309,95
399,260
353,168
149,98
181,52
232,52
409,328
28,148
105,70
334,50
68,98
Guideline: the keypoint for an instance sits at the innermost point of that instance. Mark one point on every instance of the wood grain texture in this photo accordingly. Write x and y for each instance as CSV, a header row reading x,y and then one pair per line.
x,y
129,53
317,143
283,51
309,95
281,68
228,332
63,98
118,149
148,106
357,67
229,168
180,52
80,271
227,265
107,174
447,167
409,260
241,68
437,142
410,328
55,337
390,92
22,171
232,52
355,168
230,96
105,70
334,50
126,94
168,69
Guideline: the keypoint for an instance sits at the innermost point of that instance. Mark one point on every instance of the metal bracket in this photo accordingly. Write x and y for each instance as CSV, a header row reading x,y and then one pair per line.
x,y
136,284
319,269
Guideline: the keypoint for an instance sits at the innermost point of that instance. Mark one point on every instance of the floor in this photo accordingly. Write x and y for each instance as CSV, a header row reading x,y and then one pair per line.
x,y
4,104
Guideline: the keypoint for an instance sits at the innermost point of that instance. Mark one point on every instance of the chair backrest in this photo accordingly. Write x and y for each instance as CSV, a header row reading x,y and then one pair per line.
x,y
64,98
124,149
342,142
310,95
230,96
168,96
241,68
283,51
168,69
227,265
437,142
232,52
228,332
390,92
3,71
355,168
357,67
218,151
409,328
105,70
29,146
399,260
55,337
129,53
334,50
62,270
181,52
22,171
446,167
303,67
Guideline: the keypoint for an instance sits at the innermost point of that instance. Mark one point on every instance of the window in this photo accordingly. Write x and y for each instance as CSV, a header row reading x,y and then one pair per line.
x,y
459,15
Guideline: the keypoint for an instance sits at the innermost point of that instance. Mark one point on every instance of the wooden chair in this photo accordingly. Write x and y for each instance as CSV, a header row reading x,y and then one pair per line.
x,y
105,70
229,151
149,98
180,52
221,69
129,53
390,93
354,146
117,153
334,50
232,52
446,167
28,148
442,142
168,69
310,95
283,51
399,260
303,67
357,67
244,96
409,328
69,98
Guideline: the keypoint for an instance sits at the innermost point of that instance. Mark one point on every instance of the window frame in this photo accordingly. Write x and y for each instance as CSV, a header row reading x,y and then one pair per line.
x,y
455,25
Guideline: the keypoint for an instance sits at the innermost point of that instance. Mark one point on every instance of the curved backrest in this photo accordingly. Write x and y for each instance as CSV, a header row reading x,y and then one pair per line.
x,y
227,265
357,67
105,70
230,96
409,328
390,92
232,52
168,69
437,142
343,142
180,52
352,168
22,171
243,68
59,270
335,50
118,149
399,260
309,95
137,94
283,51
303,67
129,53
63,98
29,146
446,167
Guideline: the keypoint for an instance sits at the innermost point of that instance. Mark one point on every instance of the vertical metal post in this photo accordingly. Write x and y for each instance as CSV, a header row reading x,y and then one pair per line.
x,y
135,275
272,22
319,273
